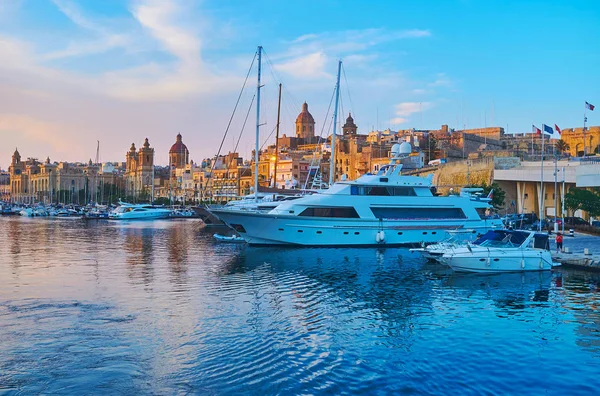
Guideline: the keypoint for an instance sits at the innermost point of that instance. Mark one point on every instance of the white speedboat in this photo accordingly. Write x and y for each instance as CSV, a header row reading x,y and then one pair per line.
x,y
502,251
231,239
383,209
138,212
264,202
456,238
34,212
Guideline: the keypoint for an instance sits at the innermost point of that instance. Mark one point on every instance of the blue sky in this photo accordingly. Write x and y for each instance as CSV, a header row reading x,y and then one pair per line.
x,y
77,71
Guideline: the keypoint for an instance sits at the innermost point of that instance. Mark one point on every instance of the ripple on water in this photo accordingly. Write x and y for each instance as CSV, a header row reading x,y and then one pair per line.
x,y
158,307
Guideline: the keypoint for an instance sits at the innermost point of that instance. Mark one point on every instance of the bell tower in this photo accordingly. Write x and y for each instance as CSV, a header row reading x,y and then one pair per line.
x,y
349,127
131,164
146,156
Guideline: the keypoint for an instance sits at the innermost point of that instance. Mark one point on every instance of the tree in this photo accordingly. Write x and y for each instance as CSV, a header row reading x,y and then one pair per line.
x,y
562,146
431,147
586,200
497,196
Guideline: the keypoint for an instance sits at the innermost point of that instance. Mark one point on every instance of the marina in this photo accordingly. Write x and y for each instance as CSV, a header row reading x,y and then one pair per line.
x,y
160,307
358,207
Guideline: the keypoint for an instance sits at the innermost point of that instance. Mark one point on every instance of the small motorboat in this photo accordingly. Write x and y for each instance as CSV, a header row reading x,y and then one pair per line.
x,y
231,238
502,251
455,239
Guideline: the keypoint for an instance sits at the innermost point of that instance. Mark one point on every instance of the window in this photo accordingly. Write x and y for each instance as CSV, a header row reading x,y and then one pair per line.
x,y
340,212
418,213
383,191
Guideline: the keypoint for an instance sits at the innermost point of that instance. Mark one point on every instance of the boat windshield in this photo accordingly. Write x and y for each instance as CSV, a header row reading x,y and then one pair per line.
x,y
502,238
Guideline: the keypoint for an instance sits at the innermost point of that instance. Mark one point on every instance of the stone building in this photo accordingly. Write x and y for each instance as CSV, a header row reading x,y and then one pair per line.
x,y
305,125
139,171
179,155
579,141
4,186
47,182
349,128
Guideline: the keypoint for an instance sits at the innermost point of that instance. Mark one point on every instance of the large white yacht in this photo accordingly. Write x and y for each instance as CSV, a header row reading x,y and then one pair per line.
x,y
383,209
138,212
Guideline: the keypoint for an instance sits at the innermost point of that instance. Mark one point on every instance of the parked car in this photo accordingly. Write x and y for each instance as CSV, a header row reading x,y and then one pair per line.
x,y
546,225
522,221
596,223
553,219
573,221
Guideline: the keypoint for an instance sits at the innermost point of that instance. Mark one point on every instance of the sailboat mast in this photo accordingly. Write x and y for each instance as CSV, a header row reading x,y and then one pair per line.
x,y
257,126
335,110
277,138
97,170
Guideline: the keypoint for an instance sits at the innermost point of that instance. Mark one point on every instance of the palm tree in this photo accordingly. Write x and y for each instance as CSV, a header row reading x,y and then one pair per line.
x,y
562,146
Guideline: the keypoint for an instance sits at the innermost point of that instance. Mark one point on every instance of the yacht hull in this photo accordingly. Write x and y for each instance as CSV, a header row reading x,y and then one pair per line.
x,y
274,229
499,261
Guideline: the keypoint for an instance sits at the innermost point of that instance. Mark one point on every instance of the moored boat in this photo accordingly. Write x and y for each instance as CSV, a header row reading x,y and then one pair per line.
x,y
232,238
386,208
138,212
502,251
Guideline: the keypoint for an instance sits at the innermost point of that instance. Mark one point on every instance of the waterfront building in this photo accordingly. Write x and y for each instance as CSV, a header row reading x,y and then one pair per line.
x,y
578,140
139,171
47,182
305,125
522,184
4,186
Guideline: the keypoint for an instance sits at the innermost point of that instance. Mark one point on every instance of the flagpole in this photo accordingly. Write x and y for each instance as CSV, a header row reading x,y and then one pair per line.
x,y
562,201
555,192
542,181
532,150
584,121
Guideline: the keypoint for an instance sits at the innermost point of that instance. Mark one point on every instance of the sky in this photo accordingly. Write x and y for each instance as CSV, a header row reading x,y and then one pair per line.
x,y
77,72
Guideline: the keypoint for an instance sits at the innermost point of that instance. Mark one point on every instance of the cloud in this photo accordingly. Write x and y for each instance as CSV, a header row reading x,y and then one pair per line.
x,y
309,66
102,39
310,49
405,109
43,134
441,80
159,18
305,37
398,120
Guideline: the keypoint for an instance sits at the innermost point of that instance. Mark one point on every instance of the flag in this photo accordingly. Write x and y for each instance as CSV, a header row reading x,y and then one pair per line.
x,y
548,129
589,106
535,129
557,129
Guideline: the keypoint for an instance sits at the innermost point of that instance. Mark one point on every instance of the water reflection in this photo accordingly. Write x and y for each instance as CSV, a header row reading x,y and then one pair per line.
x,y
159,307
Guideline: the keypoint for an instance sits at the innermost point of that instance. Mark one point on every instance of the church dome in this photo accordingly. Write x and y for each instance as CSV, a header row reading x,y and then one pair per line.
x,y
178,147
305,116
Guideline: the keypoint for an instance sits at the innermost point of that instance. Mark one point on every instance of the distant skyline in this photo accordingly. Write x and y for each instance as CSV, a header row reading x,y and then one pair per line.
x,y
118,71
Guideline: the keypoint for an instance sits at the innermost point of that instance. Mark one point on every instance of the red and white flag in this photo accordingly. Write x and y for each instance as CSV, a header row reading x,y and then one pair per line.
x,y
535,129
589,106
557,129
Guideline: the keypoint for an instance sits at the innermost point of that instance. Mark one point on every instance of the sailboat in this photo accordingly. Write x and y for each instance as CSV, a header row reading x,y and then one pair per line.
x,y
374,210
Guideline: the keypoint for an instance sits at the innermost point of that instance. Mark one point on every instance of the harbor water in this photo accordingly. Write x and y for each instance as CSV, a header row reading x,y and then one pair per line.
x,y
159,307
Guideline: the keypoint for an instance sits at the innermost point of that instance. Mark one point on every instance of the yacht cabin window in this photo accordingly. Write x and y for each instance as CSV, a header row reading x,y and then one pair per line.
x,y
341,212
417,213
383,191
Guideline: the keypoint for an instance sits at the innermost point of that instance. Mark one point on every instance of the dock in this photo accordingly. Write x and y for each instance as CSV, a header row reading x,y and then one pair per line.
x,y
587,262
